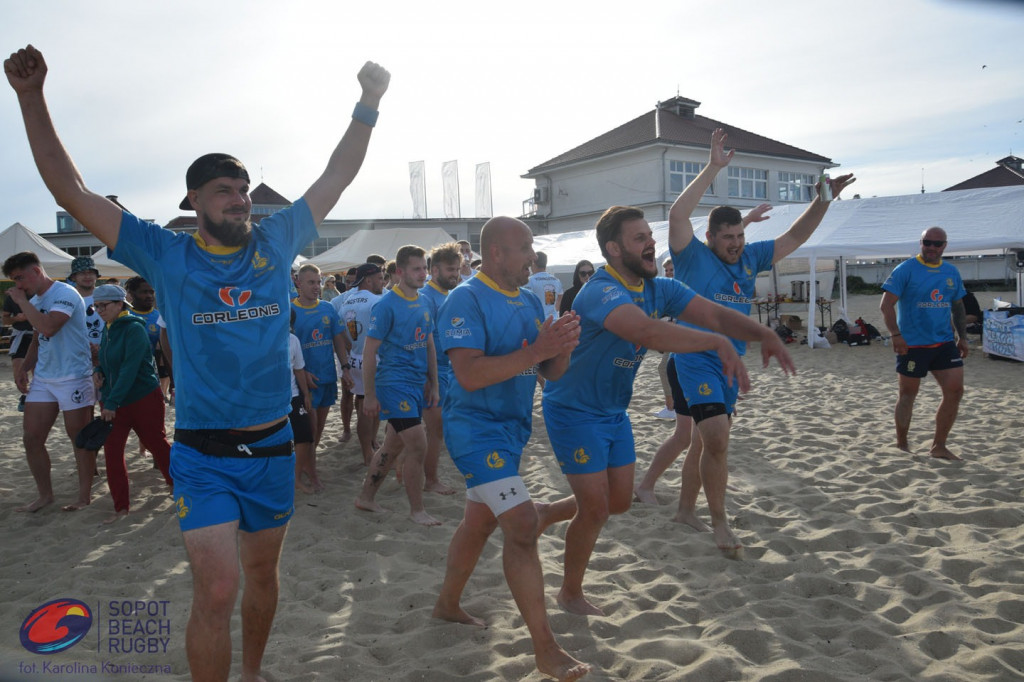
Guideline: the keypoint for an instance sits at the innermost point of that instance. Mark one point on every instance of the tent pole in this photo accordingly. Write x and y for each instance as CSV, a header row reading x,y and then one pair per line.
x,y
842,286
812,301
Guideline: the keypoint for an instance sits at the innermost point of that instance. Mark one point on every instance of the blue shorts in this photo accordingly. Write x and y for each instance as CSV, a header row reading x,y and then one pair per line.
x,y
400,402
324,395
920,360
703,384
485,467
584,445
258,492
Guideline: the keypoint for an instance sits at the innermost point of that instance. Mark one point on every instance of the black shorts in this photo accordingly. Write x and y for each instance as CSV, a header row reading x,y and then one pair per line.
x,y
920,360
400,424
302,426
20,341
678,399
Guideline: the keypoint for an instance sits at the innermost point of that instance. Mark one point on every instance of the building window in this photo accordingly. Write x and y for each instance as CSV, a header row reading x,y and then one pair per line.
x,y
65,223
320,245
748,183
796,187
682,173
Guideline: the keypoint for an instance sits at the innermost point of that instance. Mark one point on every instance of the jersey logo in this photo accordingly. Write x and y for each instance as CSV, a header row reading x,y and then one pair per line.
x,y
580,456
748,271
458,322
404,406
495,461
317,335
354,329
258,261
736,289
704,389
949,282
936,296
538,323
182,508
325,321
420,334
229,299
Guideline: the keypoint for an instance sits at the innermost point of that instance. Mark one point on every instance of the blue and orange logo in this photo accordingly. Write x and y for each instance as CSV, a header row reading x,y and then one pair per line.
x,y
936,296
56,626
228,297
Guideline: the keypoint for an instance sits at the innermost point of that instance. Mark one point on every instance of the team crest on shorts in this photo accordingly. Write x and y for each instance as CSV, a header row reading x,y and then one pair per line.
x,y
495,461
704,389
404,406
182,507
911,365
78,397
580,456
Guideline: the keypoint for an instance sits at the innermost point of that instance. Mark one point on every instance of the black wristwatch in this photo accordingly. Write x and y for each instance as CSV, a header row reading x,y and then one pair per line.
x,y
346,366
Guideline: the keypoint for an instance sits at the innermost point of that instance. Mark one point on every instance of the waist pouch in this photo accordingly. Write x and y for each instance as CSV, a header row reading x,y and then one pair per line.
x,y
233,443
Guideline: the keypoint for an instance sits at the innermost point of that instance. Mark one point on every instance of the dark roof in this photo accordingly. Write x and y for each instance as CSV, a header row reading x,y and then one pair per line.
x,y
1007,173
678,125
183,222
263,195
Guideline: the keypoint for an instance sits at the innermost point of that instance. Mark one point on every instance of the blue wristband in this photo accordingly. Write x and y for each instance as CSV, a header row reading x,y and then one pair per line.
x,y
365,114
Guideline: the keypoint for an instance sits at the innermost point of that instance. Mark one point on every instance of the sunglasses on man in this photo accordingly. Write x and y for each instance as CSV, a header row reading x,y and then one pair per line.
x,y
933,242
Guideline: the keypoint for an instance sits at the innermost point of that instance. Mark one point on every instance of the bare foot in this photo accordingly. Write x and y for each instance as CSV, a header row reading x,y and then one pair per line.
x,y
903,446
116,516
691,519
301,485
370,506
438,487
727,543
456,616
318,485
940,452
424,519
36,506
556,663
578,605
346,436
645,496
81,504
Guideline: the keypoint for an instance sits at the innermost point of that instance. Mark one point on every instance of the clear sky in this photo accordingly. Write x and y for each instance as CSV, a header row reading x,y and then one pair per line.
x,y
887,89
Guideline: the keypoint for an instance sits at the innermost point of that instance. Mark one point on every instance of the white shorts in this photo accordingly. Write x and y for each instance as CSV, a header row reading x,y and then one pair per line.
x,y
69,394
500,495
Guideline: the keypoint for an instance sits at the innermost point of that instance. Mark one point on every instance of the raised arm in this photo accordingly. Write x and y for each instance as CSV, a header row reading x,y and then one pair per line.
x,y
804,226
348,156
680,229
26,72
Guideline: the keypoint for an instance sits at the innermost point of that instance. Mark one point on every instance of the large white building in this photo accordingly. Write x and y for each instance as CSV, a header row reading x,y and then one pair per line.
x,y
648,161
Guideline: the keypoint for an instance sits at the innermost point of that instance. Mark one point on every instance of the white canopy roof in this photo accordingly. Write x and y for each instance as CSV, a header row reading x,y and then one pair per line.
x,y
386,242
974,220
109,267
18,238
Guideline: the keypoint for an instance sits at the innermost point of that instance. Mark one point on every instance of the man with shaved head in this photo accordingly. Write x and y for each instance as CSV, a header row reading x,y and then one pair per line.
x,y
498,340
923,309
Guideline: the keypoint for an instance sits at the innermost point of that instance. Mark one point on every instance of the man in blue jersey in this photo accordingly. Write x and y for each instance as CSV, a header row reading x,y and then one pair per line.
x,y
354,308
923,308
723,270
498,340
60,362
323,338
445,261
225,296
402,383
620,311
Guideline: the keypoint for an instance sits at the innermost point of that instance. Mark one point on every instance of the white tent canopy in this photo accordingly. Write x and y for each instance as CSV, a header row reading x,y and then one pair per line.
x,y
18,238
974,220
386,242
109,267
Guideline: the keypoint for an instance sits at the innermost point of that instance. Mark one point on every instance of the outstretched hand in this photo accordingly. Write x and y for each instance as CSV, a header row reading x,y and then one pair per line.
x,y
374,80
840,183
25,69
719,157
732,366
772,346
757,214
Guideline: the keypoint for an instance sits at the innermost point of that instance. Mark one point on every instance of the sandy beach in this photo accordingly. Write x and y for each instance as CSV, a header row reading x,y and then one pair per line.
x,y
861,562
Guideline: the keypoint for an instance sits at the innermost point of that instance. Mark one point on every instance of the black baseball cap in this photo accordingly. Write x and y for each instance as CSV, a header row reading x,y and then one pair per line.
x,y
210,166
366,270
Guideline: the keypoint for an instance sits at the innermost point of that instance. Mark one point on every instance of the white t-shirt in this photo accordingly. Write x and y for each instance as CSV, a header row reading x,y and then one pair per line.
x,y
295,360
548,288
66,354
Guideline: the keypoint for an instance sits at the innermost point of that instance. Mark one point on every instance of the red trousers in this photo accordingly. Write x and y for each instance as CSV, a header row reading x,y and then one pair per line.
x,y
146,417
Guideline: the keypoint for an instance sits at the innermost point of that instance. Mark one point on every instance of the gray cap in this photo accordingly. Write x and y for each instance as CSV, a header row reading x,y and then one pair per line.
x,y
108,292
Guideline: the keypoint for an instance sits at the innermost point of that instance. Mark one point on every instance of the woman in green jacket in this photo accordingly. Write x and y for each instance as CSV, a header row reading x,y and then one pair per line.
x,y
129,393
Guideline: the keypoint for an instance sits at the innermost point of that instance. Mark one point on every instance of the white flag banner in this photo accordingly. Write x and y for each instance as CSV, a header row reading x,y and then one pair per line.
x,y
418,188
450,184
484,205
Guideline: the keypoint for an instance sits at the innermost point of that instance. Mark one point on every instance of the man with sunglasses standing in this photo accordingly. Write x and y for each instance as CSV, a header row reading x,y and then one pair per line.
x,y
923,309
